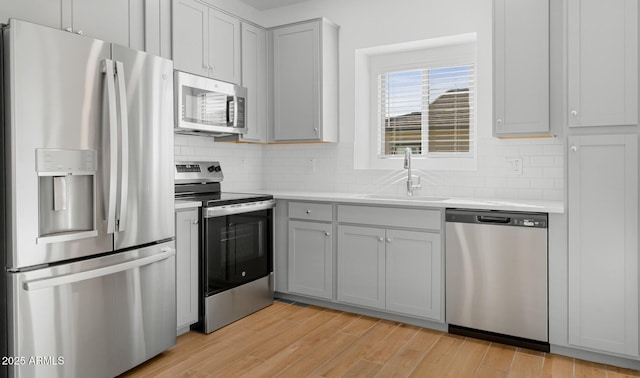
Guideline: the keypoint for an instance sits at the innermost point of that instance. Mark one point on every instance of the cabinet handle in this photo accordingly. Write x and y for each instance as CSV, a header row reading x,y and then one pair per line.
x,y
574,113
80,32
327,234
69,30
308,211
195,221
574,148
380,239
315,129
498,121
388,240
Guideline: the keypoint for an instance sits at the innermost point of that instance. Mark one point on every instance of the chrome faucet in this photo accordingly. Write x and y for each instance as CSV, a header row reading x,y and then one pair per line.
x,y
407,165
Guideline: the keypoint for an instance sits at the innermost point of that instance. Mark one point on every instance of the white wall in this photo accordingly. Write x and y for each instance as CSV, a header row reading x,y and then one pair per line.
x,y
369,23
329,167
241,163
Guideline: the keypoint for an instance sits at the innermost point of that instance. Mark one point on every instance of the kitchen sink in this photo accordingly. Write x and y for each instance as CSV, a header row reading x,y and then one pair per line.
x,y
405,197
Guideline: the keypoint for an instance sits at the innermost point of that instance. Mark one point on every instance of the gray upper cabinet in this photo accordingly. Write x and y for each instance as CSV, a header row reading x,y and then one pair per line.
x,y
224,47
190,37
305,81
521,67
116,21
602,62
43,12
254,78
603,243
206,41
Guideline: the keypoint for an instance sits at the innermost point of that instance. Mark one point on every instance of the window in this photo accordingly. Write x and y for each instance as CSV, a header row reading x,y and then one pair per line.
x,y
422,97
427,110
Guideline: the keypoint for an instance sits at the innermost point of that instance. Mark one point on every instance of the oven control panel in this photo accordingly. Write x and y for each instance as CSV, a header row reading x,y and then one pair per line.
x,y
198,172
188,168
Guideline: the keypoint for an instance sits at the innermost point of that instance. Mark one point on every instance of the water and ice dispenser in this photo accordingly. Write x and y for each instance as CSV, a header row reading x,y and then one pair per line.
x,y
67,194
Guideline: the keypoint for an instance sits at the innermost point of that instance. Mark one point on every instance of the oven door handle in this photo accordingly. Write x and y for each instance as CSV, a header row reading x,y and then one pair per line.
x,y
220,211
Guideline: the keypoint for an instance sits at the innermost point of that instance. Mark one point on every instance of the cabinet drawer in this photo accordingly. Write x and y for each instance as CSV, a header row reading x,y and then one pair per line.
x,y
390,217
311,211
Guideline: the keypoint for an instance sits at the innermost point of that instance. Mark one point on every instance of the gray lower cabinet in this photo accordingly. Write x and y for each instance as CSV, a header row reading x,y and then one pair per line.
x,y
603,244
310,249
391,259
394,270
413,276
186,268
311,259
361,266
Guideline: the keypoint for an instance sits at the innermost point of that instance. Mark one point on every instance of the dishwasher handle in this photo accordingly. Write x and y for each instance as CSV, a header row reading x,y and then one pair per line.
x,y
493,219
497,218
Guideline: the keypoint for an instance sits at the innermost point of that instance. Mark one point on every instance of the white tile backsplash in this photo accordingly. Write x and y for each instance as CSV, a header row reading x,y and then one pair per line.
x,y
541,178
329,168
241,163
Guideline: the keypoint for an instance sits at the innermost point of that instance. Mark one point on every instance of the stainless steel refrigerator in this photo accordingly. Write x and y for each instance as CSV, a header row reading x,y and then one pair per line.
x,y
88,278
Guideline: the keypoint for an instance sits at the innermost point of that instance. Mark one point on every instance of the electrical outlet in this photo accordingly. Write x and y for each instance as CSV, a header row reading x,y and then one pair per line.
x,y
312,165
514,166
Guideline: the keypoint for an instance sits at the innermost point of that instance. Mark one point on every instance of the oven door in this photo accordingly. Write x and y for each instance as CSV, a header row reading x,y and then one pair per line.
x,y
237,248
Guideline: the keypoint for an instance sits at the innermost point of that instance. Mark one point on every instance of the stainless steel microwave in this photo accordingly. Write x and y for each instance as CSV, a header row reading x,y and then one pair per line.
x,y
205,105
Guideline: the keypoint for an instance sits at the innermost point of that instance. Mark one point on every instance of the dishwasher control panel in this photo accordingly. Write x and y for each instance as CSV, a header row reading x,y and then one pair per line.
x,y
529,222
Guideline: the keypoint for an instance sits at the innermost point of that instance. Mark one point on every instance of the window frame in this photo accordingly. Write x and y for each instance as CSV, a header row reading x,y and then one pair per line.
x,y
431,54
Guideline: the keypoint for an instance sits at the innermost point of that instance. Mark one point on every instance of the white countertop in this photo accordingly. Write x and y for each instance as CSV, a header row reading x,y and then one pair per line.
x,y
186,204
422,201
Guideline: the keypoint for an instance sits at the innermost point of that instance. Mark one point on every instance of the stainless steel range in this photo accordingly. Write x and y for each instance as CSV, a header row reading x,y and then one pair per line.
x,y
236,245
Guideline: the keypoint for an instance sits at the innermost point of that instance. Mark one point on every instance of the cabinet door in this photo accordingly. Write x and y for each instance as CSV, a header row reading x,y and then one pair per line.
x,y
43,12
186,267
413,273
224,47
190,37
521,67
296,86
105,20
603,243
602,62
254,78
361,266
311,259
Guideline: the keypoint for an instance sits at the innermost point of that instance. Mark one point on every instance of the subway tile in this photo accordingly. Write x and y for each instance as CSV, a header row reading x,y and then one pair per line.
x,y
542,161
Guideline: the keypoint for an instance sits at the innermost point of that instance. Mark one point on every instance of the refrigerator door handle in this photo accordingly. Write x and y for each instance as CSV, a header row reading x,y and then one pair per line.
x,y
45,283
108,70
124,147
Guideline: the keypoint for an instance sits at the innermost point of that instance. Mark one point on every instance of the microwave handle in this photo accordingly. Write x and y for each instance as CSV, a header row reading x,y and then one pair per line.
x,y
235,110
231,119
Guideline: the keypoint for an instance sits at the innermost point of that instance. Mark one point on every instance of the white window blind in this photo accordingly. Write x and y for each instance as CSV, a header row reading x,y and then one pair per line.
x,y
430,110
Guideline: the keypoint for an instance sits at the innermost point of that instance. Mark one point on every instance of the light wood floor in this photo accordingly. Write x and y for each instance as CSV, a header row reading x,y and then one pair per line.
x,y
288,340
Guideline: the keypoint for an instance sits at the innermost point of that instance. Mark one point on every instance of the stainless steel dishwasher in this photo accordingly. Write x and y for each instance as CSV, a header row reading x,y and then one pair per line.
x,y
496,276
